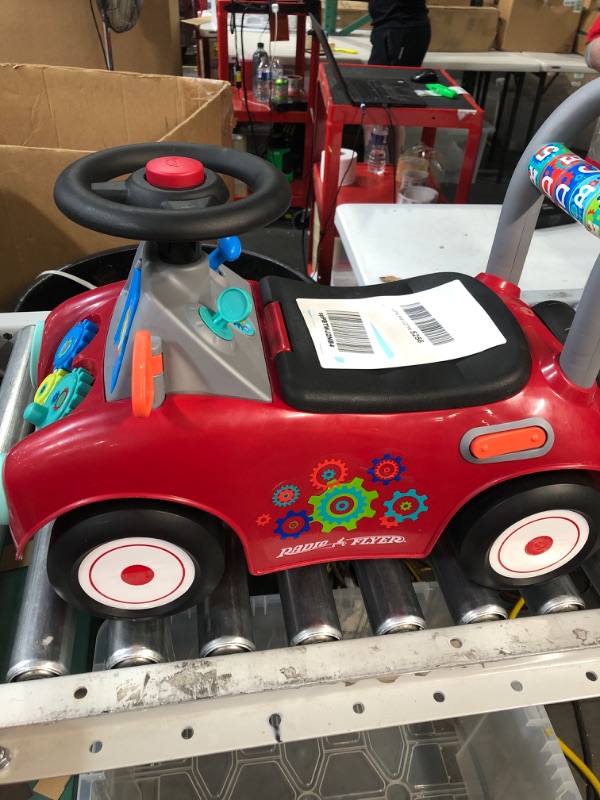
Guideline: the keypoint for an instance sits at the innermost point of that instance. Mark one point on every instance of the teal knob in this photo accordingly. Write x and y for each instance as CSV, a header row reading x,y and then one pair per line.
x,y
36,414
233,305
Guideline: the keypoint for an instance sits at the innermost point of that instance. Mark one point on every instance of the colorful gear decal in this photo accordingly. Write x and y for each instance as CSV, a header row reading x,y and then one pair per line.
x,y
406,505
286,495
386,469
343,505
328,473
65,396
76,340
388,522
293,524
264,519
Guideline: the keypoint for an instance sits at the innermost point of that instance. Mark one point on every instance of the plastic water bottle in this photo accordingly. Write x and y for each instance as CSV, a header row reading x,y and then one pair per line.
x,y
259,58
262,93
378,154
276,72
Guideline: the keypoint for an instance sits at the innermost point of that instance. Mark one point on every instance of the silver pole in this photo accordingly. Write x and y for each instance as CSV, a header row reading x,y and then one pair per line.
x,y
389,596
134,642
225,616
552,597
16,392
466,601
308,606
43,646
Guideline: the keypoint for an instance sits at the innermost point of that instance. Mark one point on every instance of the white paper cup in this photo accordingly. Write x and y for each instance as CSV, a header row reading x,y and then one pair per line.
x,y
417,194
347,172
413,177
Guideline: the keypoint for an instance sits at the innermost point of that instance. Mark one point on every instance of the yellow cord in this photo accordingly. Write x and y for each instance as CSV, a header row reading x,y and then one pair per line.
x,y
583,768
517,608
413,571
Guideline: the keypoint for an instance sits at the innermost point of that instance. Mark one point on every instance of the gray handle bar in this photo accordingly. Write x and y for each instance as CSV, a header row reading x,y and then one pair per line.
x,y
580,358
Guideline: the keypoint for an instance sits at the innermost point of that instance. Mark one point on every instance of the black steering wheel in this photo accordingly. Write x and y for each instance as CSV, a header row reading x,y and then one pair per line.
x,y
136,209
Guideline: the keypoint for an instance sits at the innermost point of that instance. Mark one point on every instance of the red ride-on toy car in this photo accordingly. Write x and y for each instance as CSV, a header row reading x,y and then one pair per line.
x,y
317,423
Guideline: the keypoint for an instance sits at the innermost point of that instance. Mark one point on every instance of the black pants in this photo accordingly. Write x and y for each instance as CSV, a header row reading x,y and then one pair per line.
x,y
400,47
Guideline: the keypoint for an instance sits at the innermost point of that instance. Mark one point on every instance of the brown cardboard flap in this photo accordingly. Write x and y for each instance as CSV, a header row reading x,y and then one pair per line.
x,y
53,116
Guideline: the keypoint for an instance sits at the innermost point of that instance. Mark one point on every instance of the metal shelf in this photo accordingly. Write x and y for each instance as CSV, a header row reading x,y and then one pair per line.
x,y
139,715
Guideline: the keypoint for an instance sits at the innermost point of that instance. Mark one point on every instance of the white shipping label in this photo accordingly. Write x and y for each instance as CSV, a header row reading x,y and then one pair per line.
x,y
377,332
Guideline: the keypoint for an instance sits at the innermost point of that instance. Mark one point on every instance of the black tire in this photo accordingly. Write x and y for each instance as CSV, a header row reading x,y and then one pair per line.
x,y
185,537
483,529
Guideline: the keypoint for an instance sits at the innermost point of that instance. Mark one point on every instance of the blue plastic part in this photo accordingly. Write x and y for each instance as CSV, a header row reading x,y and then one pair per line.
x,y
233,305
34,356
73,343
245,326
3,501
66,396
125,323
227,249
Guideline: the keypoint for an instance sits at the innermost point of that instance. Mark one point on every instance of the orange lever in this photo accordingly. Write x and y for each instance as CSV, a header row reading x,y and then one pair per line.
x,y
144,367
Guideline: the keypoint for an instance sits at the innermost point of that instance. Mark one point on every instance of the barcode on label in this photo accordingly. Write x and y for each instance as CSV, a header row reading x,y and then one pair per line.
x,y
427,324
349,332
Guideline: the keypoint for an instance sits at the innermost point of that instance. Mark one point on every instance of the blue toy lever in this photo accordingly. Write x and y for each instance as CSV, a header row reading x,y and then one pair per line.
x,y
227,249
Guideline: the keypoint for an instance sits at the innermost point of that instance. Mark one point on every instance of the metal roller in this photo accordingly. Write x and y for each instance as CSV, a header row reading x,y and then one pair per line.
x,y
225,616
43,646
553,597
16,392
466,601
591,567
389,596
135,642
308,606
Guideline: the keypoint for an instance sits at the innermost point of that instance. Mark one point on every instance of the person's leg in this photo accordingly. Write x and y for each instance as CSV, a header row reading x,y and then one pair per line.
x,y
379,53
400,47
414,46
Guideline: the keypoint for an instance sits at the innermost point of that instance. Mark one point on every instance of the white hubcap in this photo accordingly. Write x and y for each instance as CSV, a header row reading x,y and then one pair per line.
x,y
136,573
539,544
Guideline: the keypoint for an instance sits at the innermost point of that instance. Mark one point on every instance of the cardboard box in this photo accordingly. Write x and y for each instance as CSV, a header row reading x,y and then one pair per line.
x,y
66,33
456,29
546,26
348,11
53,116
591,5
460,3
580,44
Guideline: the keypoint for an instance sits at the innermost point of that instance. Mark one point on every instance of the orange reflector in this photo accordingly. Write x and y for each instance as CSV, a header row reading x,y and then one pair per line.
x,y
502,443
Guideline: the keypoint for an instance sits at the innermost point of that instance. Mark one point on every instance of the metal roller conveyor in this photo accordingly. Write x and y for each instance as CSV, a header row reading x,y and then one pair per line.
x,y
135,642
467,602
16,392
308,606
389,596
553,597
43,645
225,616
591,567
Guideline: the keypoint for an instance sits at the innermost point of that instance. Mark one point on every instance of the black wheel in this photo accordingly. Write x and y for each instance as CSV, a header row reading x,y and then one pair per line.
x,y
135,559
528,530
141,207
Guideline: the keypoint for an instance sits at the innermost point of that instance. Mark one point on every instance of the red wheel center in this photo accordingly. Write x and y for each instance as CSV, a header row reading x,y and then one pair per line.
x,y
137,575
539,545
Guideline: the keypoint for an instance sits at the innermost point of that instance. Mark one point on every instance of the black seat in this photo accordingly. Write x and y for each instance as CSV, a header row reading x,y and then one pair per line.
x,y
483,378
